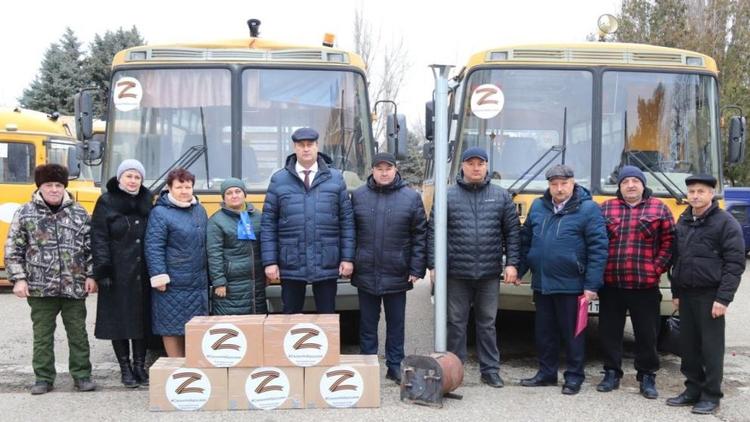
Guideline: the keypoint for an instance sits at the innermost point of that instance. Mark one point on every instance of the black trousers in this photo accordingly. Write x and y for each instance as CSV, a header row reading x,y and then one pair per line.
x,y
394,305
555,321
293,296
643,305
702,344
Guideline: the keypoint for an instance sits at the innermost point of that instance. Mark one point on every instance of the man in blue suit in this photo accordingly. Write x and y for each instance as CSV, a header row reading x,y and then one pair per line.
x,y
307,228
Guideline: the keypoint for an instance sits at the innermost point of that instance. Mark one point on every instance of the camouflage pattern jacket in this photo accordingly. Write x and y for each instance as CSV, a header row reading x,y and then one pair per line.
x,y
50,251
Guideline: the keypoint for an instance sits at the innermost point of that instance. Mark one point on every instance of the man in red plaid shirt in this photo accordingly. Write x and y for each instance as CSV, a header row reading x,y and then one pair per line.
x,y
641,232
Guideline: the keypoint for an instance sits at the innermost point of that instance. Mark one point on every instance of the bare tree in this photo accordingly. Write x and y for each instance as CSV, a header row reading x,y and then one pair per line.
x,y
386,65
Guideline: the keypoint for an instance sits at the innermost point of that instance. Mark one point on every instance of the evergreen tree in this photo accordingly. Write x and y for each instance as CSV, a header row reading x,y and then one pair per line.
x,y
97,66
412,168
59,77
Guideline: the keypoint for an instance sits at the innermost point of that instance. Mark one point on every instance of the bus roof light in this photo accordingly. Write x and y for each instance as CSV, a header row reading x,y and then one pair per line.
x,y
497,56
337,57
254,25
138,55
694,61
328,39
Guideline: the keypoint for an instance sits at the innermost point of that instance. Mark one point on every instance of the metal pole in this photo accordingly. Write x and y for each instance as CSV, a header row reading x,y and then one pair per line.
x,y
440,72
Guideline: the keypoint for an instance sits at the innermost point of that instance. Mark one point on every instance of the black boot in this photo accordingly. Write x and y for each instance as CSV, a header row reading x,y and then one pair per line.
x,y
139,361
122,352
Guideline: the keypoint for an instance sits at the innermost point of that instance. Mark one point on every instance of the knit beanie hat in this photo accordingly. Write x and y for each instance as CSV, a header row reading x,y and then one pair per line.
x,y
131,164
631,171
50,173
232,182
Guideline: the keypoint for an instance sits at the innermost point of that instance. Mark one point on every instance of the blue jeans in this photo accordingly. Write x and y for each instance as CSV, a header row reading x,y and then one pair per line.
x,y
395,315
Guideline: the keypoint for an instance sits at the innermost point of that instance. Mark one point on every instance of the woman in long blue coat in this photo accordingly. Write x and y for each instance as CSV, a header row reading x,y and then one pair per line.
x,y
176,258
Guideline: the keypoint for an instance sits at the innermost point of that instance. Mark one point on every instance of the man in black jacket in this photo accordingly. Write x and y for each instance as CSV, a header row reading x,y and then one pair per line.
x,y
391,240
709,266
482,226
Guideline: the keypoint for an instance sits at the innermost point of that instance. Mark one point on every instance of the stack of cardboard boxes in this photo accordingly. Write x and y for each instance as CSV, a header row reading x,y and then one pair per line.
x,y
254,362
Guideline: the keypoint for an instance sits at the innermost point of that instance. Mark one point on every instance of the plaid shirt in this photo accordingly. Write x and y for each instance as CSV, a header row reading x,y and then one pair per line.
x,y
640,242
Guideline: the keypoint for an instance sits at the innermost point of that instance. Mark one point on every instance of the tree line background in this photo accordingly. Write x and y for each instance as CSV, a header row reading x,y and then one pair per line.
x,y
717,28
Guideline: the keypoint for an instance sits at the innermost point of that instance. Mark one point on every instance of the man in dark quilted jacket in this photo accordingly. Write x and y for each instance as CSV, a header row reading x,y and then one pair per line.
x,y
483,226
307,228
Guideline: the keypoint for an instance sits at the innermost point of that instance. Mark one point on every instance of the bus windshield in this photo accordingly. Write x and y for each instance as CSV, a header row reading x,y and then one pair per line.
x,y
663,123
171,110
519,114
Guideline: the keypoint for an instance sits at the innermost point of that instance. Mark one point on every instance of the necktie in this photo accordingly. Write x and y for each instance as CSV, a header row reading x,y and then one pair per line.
x,y
307,179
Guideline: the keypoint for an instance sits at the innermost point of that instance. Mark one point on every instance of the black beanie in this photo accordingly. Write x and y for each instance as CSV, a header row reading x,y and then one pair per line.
x,y
50,173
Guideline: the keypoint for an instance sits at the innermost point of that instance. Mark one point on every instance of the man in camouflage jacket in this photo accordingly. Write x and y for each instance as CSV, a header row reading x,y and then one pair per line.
x,y
48,259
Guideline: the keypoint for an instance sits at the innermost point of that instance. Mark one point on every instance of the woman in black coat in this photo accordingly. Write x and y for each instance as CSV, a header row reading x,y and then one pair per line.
x,y
118,226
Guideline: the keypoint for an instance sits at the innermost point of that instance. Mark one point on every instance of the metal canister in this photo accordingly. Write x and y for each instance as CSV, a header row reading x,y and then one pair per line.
x,y
427,380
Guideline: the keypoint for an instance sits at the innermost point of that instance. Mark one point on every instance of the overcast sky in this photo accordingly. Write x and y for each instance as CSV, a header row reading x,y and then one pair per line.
x,y
446,35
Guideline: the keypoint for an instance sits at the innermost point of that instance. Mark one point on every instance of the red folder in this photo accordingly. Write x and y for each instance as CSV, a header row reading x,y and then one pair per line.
x,y
583,314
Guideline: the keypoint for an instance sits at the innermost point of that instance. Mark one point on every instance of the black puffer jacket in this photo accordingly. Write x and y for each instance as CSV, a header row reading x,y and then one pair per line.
x,y
482,224
391,237
710,253
118,228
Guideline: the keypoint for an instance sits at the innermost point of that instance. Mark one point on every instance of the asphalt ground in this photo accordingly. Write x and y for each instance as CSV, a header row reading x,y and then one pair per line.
x,y
112,401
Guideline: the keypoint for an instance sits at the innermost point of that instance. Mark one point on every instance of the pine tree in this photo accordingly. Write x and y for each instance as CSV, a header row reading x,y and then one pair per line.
x,y
97,66
412,168
59,77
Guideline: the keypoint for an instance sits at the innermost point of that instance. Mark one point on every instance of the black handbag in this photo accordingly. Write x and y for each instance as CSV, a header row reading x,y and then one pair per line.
x,y
669,338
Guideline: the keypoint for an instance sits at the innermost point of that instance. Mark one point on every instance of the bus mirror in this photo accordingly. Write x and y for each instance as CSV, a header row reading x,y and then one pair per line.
x,y
84,115
93,150
737,126
429,120
74,164
397,135
428,151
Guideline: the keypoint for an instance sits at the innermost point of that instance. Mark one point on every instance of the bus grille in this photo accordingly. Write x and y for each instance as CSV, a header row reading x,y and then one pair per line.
x,y
200,54
590,56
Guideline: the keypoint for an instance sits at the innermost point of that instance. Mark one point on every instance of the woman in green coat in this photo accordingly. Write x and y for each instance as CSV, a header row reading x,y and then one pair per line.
x,y
233,245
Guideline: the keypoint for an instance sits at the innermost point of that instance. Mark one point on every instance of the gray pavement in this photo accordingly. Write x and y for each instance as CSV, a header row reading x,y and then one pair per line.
x,y
512,403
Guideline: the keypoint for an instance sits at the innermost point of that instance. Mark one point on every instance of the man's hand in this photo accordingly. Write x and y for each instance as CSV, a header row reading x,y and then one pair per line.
x,y
718,310
21,289
272,273
220,291
590,295
161,288
90,285
413,279
676,304
346,269
510,275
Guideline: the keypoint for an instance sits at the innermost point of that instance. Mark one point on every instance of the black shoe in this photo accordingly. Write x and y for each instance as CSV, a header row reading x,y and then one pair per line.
x,y
84,384
682,400
570,389
140,371
705,407
648,386
610,382
127,377
538,381
395,376
41,387
493,380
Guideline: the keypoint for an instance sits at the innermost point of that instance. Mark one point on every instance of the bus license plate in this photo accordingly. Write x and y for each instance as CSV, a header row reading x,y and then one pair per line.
x,y
594,307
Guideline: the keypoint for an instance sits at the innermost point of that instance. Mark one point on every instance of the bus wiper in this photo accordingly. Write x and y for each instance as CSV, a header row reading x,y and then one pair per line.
x,y
185,161
205,146
679,195
557,149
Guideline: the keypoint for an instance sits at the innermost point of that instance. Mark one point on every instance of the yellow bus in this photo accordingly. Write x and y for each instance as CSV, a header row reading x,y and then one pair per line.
x,y
28,139
228,108
595,107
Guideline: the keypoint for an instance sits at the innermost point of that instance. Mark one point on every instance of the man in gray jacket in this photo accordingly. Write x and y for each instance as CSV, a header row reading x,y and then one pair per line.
x,y
483,226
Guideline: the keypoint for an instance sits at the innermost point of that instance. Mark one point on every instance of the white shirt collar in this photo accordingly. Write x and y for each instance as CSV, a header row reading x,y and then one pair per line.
x,y
300,170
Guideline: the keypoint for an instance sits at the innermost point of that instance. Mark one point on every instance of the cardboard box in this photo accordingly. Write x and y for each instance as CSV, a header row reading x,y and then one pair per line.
x,y
354,382
175,386
224,341
266,388
301,340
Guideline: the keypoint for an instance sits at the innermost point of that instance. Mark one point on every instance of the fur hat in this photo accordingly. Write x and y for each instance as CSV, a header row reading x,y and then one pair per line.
x,y
50,173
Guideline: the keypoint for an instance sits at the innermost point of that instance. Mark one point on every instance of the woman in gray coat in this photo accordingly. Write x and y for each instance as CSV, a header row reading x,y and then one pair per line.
x,y
234,265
